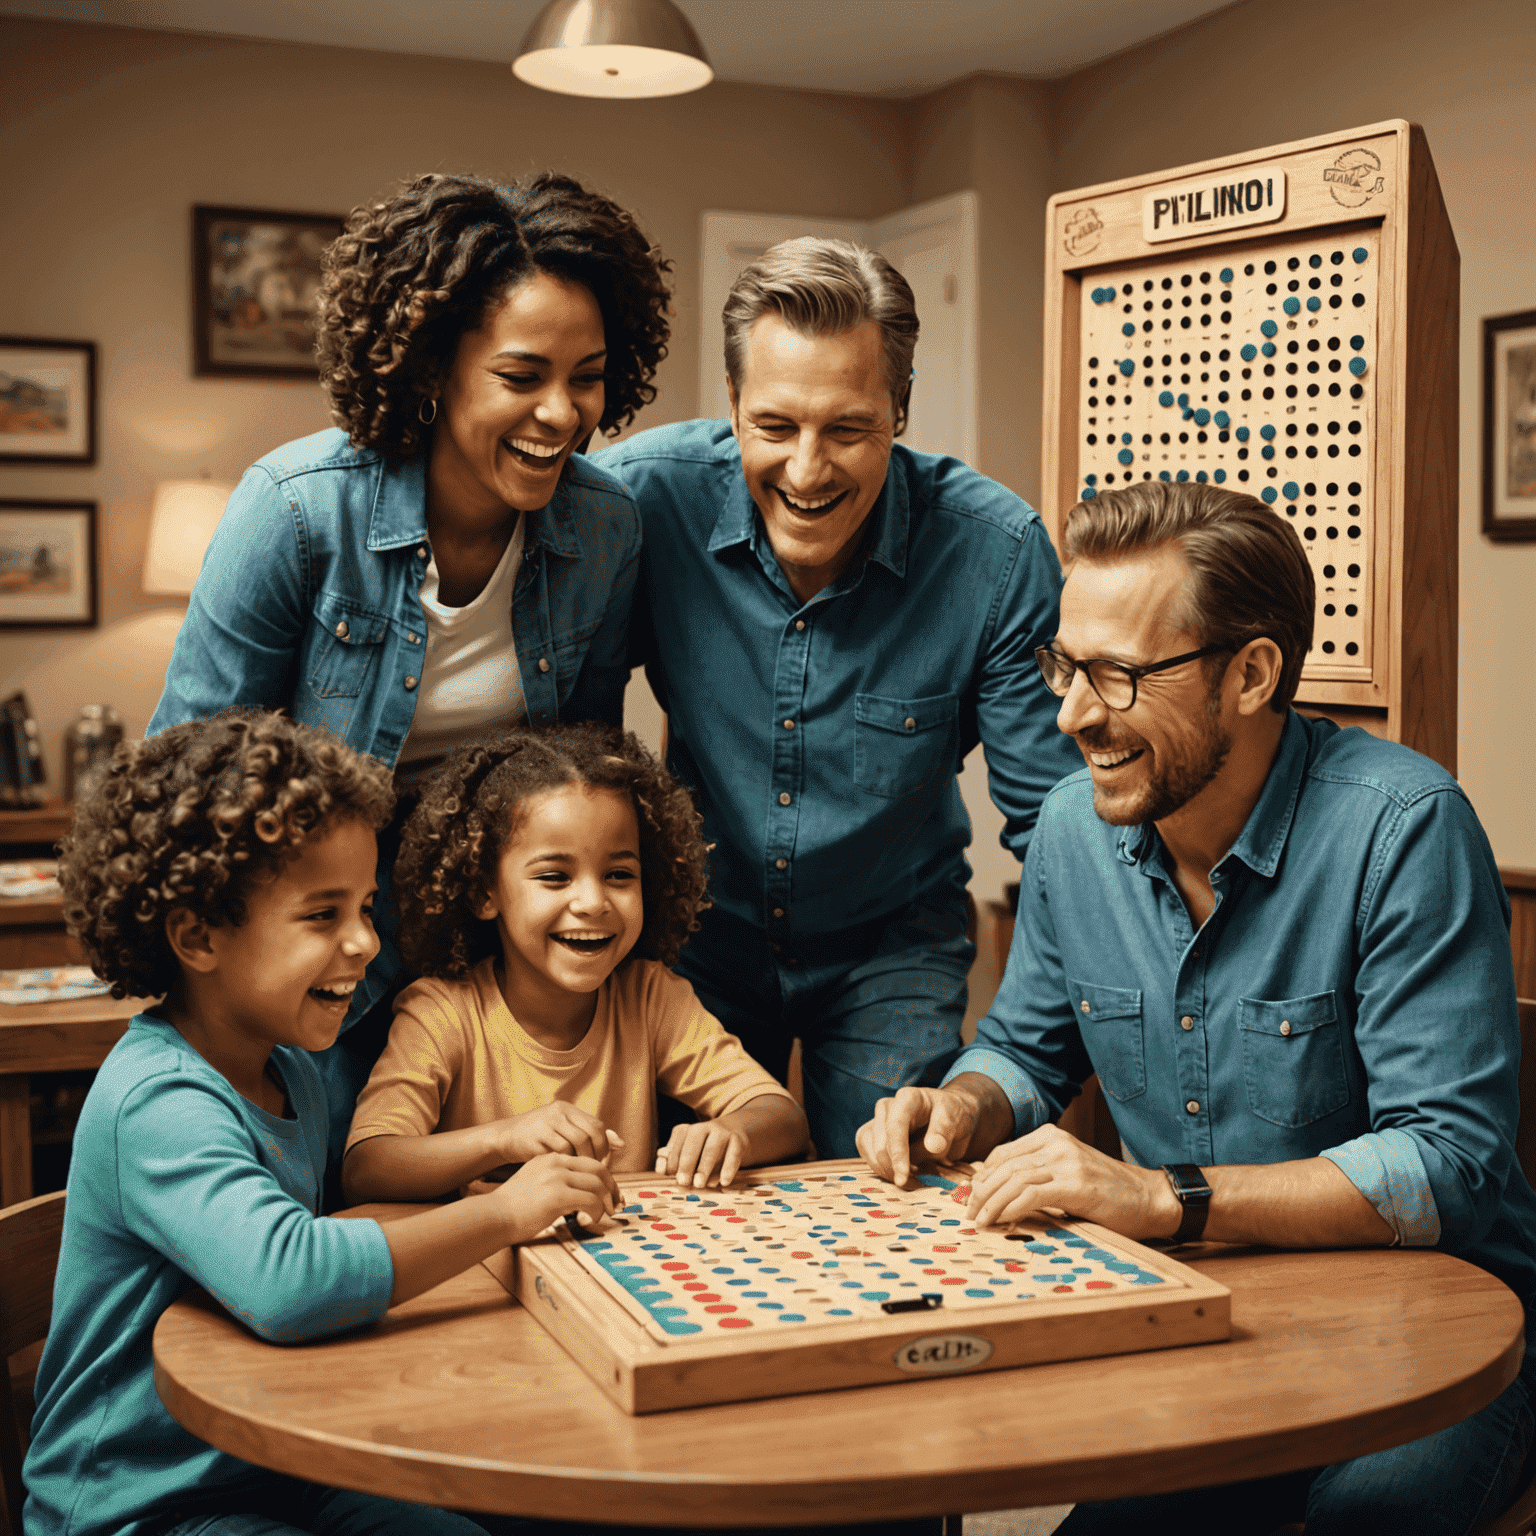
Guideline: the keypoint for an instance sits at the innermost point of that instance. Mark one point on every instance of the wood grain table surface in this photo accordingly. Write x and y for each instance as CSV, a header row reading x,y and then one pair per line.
x,y
459,1398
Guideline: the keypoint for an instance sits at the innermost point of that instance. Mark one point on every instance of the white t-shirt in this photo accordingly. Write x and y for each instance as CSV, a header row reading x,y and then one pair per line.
x,y
470,688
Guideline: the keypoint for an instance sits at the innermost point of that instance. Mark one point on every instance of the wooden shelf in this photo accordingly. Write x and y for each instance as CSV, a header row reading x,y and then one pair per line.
x,y
46,823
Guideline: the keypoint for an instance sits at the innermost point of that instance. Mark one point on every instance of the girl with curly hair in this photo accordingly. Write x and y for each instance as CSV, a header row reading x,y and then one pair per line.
x,y
546,882
229,864
446,563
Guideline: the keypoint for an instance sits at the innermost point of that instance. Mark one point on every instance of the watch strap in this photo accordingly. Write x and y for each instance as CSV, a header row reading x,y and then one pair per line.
x,y
1194,1196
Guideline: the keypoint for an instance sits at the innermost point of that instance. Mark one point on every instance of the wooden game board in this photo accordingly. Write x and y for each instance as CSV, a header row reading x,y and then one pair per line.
x,y
820,1275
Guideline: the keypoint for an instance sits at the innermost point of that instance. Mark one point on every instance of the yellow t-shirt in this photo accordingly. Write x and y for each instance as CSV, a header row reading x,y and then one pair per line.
x,y
457,1058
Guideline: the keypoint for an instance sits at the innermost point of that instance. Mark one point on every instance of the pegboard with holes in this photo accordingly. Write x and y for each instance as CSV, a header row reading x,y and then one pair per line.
x,y
1283,323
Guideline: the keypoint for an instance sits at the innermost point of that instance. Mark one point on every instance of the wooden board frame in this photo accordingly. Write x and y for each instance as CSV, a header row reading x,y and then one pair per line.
x,y
1410,693
643,1376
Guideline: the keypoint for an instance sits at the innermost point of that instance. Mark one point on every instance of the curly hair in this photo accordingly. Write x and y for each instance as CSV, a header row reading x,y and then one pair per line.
x,y
408,277
193,818
472,808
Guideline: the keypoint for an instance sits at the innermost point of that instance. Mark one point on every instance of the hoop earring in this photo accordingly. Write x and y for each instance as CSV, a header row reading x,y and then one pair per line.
x,y
421,412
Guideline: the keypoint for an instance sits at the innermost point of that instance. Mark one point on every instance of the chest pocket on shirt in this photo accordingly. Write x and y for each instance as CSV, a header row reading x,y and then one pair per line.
x,y
902,744
1109,1019
347,648
1293,1058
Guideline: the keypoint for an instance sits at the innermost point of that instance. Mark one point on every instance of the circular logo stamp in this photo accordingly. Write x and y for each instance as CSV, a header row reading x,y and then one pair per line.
x,y
942,1354
1080,235
1354,178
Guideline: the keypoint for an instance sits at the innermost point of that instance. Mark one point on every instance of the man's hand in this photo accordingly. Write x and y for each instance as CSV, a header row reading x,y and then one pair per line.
x,y
555,1127
946,1118
696,1152
1049,1169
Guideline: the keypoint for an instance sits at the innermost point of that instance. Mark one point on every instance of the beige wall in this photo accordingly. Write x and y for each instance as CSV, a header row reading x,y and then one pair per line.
x,y
1267,71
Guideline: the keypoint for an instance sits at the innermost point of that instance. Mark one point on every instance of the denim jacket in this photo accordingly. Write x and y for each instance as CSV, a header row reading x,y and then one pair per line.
x,y
308,602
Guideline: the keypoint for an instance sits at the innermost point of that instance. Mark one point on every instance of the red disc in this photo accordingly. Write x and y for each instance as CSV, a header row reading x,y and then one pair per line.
x,y
933,1271
1061,1287
1100,1285
953,1280
724,1306
734,1322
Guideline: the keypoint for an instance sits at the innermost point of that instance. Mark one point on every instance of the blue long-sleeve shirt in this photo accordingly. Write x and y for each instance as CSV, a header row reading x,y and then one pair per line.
x,y
177,1181
824,738
1351,997
308,601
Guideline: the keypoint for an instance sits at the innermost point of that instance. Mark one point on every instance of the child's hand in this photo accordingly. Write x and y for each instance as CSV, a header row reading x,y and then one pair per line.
x,y
557,1127
696,1151
553,1185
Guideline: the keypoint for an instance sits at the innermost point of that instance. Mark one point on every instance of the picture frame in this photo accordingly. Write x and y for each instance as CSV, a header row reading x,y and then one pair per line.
x,y
47,401
1509,427
48,564
255,276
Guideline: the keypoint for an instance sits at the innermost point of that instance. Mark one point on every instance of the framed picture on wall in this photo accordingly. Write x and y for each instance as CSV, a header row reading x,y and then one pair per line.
x,y
47,401
1509,427
255,276
47,564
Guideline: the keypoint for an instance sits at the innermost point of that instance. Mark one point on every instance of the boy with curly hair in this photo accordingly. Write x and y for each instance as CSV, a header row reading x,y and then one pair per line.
x,y
545,884
229,864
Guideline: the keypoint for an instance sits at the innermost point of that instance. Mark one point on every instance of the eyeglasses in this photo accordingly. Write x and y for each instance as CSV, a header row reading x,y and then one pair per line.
x,y
1113,681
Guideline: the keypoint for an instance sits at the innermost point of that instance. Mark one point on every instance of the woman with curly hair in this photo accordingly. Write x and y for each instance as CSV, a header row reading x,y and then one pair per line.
x,y
546,884
229,863
446,563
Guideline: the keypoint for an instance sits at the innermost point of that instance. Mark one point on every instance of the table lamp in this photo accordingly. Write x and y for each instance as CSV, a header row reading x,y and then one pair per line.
x,y
185,514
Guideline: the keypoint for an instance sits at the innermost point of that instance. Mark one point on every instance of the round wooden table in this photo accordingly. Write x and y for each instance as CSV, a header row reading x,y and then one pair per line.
x,y
459,1398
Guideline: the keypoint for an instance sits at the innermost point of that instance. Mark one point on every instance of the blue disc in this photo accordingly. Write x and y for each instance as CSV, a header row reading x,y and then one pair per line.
x,y
1315,261
1290,306
1127,367
1222,419
1290,490
1125,456
1314,303
1360,254
1182,476
1267,451
1166,398
1165,476
1269,328
1357,366
1249,352
1202,416
1183,399
1269,494
1125,437
1219,476
1225,274
1242,434
1092,479
1356,343
1200,477
1268,349
1088,493
1127,329
1267,431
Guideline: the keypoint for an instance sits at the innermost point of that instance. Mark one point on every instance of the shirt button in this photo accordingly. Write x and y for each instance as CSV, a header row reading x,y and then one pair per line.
x,y
421,553
543,664
781,863
910,723
410,683
1193,1106
784,798
1186,1022
799,623
789,725
414,639
778,911
341,630
1086,1008
1285,1026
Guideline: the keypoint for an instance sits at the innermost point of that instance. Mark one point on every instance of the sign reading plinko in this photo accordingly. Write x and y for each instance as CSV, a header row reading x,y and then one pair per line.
x,y
1251,194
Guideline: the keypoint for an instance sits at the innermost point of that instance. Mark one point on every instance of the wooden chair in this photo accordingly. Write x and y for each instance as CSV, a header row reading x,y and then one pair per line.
x,y
30,1234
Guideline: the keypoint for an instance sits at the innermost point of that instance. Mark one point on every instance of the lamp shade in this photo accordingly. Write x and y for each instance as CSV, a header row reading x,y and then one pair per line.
x,y
185,514
615,48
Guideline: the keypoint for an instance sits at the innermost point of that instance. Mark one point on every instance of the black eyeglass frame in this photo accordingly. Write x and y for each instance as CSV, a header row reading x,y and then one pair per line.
x,y
1134,673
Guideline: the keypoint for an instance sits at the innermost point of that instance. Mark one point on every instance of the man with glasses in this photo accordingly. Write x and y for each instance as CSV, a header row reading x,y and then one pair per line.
x,y
1283,948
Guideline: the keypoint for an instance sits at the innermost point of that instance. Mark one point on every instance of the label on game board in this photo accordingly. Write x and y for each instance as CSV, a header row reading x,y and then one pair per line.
x,y
942,1354
1253,194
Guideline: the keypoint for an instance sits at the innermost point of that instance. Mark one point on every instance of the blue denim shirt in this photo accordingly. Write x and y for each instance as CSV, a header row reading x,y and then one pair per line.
x,y
1352,995
308,601
824,738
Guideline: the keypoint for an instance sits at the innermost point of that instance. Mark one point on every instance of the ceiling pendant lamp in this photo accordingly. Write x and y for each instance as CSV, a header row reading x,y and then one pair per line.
x,y
615,48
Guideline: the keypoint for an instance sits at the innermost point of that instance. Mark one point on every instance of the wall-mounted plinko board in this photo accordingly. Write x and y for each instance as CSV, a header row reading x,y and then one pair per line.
x,y
1284,323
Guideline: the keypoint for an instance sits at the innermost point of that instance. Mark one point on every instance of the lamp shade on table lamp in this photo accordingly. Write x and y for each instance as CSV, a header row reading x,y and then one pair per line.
x,y
614,48
185,514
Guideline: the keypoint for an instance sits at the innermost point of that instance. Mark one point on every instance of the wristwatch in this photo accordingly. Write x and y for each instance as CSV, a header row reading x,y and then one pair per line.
x,y
1194,1195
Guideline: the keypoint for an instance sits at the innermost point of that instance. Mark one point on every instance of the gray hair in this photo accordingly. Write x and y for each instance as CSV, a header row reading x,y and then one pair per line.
x,y
819,288
1248,572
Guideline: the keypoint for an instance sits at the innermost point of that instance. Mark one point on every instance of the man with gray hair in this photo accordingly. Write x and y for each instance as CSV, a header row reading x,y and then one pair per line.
x,y
832,622
1284,949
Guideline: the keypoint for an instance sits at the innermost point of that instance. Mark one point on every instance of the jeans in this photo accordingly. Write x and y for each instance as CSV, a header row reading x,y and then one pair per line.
x,y
877,1007
288,1506
1442,1485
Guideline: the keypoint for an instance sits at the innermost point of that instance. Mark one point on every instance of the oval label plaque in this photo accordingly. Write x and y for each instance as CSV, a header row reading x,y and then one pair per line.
x,y
942,1354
